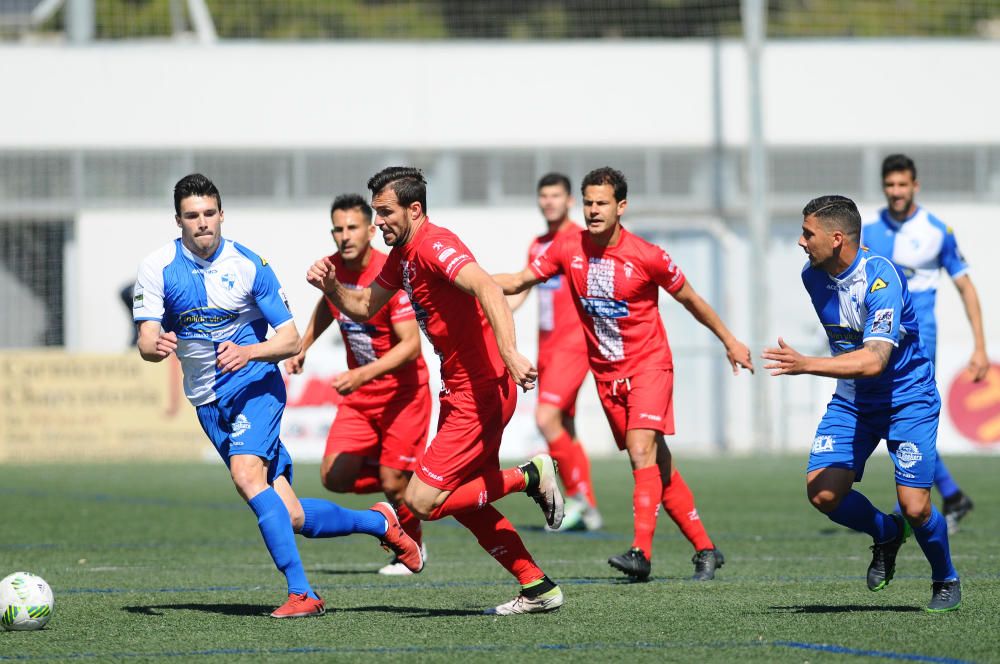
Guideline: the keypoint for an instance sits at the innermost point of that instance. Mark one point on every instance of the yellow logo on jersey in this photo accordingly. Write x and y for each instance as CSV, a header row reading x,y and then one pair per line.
x,y
878,285
263,261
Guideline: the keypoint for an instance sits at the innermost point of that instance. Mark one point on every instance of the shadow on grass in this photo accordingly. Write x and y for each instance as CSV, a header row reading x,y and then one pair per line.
x,y
223,609
845,608
413,611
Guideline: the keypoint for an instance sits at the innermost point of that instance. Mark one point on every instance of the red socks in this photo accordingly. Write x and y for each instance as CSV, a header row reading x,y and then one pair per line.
x,y
410,523
499,539
645,505
574,466
480,491
678,501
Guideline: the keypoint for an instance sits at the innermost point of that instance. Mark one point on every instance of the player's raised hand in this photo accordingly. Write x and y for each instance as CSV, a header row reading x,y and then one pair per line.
x,y
322,275
166,344
295,363
232,357
521,370
979,365
786,360
738,354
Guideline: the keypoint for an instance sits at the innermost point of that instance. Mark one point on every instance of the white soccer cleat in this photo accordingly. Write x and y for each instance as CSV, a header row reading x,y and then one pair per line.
x,y
396,568
549,601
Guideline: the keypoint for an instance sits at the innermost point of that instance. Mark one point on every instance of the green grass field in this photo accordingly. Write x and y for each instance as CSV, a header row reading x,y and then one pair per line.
x,y
150,563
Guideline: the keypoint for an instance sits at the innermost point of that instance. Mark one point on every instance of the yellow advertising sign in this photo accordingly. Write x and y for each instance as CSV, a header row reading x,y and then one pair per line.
x,y
57,406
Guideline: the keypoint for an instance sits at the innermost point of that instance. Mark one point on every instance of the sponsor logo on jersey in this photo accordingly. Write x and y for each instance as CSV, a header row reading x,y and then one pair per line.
x,y
577,263
240,424
204,321
454,263
650,416
444,255
822,444
263,261
599,307
908,455
431,475
878,285
883,321
137,297
353,327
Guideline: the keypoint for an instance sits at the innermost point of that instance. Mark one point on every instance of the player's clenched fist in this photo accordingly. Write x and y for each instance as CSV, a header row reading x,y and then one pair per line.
x,y
521,370
322,275
232,357
166,343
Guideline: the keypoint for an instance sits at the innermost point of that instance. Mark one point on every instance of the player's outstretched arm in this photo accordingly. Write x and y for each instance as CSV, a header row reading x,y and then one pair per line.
x,y
737,352
359,304
472,279
514,283
154,344
285,342
979,363
318,323
405,350
866,362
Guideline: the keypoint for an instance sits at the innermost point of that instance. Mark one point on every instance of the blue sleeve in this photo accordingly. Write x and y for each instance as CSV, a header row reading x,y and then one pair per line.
x,y
270,298
883,302
951,258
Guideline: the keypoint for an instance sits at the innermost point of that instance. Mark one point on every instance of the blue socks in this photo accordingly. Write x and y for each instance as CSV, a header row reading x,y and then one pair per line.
x,y
276,527
933,539
943,480
326,519
857,513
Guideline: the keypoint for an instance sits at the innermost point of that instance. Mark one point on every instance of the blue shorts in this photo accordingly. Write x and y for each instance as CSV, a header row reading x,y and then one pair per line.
x,y
248,421
846,437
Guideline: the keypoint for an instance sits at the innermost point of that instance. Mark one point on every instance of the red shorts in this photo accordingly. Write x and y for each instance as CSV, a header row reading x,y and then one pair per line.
x,y
643,401
560,375
392,429
470,425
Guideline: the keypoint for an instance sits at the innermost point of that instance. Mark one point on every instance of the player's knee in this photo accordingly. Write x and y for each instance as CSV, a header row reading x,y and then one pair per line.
x,y
394,486
548,419
825,500
337,483
917,513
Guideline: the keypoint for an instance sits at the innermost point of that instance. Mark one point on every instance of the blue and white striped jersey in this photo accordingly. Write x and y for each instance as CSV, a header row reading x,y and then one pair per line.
x,y
869,301
921,245
232,296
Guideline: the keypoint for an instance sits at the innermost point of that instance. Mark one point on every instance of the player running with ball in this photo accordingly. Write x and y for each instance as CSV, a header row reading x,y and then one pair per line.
x,y
211,301
614,277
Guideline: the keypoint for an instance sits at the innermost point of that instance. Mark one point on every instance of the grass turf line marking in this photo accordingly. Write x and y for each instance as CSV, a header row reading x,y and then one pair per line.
x,y
841,650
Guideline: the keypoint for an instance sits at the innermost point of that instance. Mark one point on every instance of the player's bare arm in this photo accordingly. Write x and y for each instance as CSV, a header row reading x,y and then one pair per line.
x,y
405,350
866,362
737,352
515,283
155,344
979,363
318,323
472,279
285,342
359,304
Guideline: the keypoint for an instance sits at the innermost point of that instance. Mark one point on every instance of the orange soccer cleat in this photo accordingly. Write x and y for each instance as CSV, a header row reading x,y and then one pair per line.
x,y
396,541
300,606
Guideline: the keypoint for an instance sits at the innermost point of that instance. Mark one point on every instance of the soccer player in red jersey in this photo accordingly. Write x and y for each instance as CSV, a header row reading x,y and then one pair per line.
x,y
614,276
384,417
463,313
562,361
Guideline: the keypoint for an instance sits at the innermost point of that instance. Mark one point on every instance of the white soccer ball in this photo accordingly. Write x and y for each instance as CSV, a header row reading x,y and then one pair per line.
x,y
26,602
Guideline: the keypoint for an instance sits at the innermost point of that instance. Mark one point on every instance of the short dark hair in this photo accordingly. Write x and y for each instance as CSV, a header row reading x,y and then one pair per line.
x,y
836,212
554,179
898,162
351,202
195,184
407,183
607,175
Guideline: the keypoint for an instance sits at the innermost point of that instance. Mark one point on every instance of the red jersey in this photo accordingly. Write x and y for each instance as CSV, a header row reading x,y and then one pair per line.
x,y
558,323
366,342
616,294
426,267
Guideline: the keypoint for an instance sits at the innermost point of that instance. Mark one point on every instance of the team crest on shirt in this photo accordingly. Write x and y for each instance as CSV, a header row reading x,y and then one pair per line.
x,y
883,321
878,285
628,269
228,280
908,455
437,246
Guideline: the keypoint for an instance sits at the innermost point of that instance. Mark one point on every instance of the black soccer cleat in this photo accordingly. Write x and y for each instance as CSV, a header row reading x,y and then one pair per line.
x,y
633,562
883,565
945,596
706,562
955,509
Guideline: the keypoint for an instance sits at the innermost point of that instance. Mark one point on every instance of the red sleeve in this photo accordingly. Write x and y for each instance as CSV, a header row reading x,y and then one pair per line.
x,y
400,308
548,263
445,255
663,270
391,276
